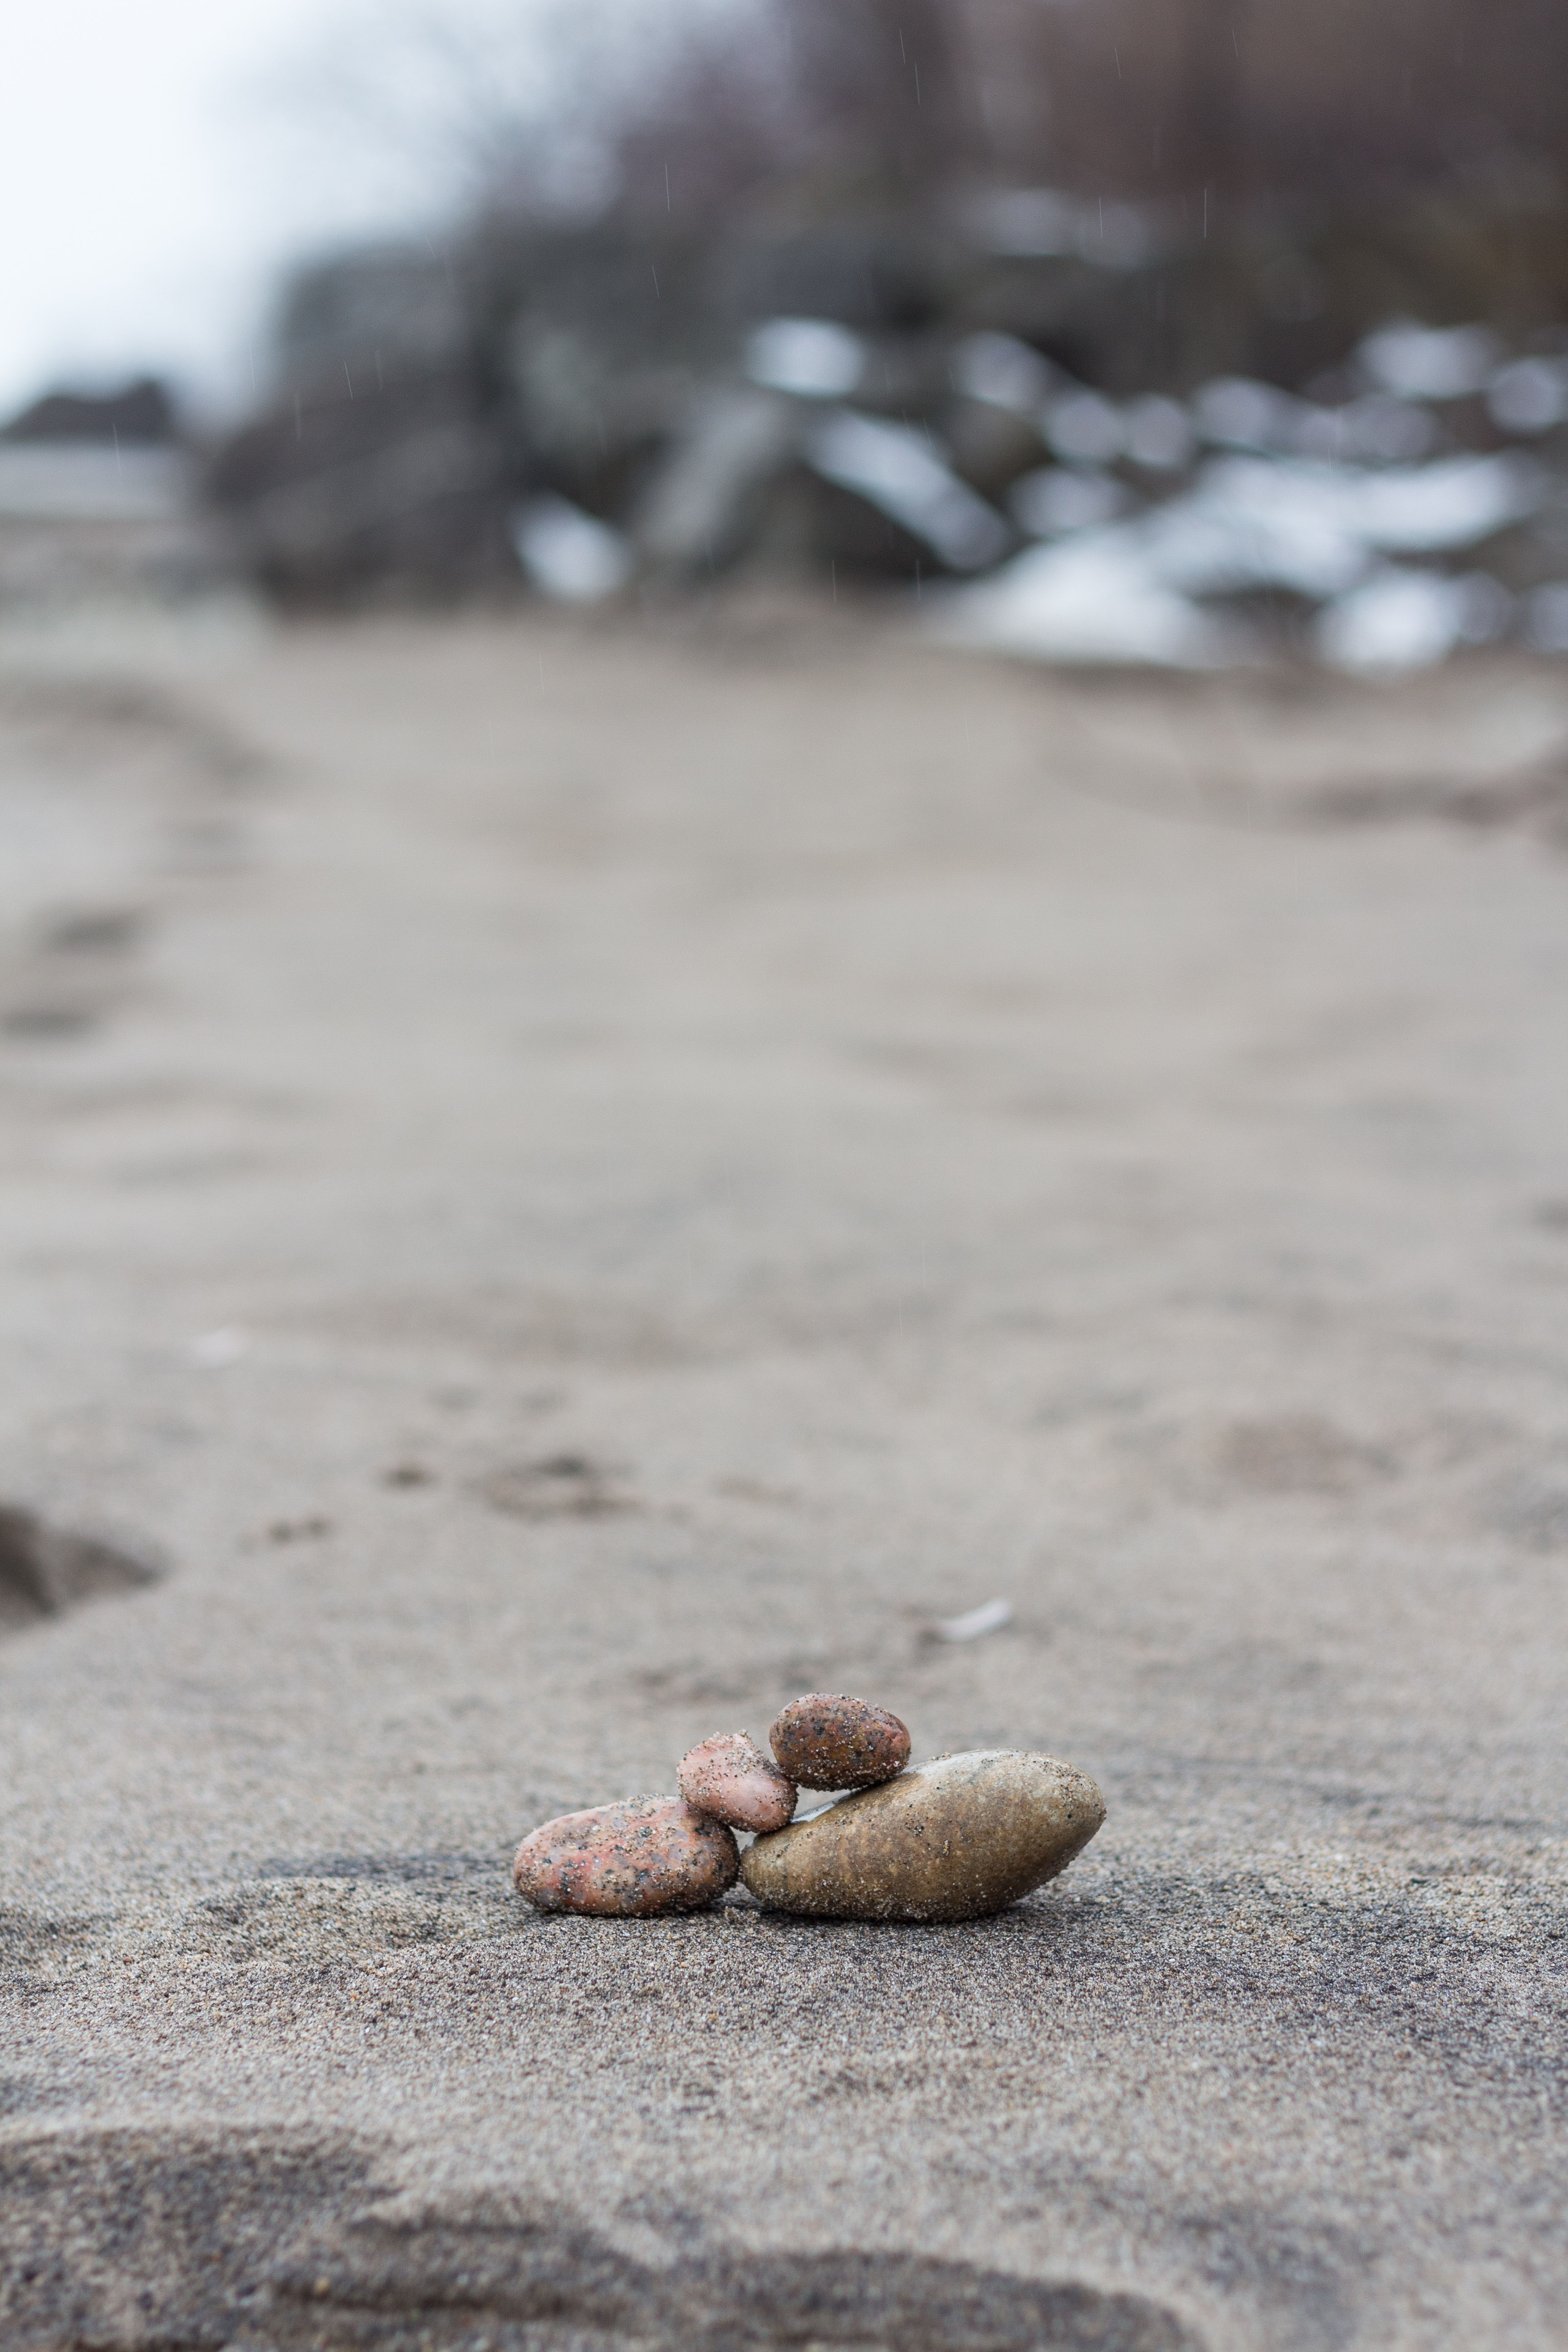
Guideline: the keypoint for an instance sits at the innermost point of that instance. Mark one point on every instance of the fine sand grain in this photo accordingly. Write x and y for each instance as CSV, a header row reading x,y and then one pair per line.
x,y
562,1187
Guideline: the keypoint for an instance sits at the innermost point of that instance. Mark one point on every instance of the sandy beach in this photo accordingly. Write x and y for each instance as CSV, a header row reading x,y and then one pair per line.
x,y
565,1183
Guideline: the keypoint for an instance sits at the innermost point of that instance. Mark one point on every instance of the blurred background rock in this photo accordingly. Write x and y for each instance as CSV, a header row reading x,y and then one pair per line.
x,y
1110,308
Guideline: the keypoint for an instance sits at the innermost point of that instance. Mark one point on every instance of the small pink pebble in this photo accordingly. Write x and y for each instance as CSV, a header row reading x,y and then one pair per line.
x,y
730,1779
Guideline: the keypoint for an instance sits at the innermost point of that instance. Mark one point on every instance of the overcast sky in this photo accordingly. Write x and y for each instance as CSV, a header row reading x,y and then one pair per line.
x,y
160,159
149,187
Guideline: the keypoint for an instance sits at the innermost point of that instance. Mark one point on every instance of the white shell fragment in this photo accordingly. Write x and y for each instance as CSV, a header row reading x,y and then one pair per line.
x,y
989,1618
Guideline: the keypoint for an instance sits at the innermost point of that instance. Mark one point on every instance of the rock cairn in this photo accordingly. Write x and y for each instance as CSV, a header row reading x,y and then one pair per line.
x,y
955,1838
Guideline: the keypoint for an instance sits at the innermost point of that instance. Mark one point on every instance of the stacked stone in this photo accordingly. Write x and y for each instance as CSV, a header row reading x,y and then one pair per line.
x,y
955,1838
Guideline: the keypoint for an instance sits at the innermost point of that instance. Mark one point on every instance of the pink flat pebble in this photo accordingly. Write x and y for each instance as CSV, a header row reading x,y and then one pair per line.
x,y
629,1861
730,1779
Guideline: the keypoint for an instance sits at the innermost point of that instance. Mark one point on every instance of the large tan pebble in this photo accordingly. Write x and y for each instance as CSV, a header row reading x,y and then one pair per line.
x,y
952,1839
839,1742
729,1777
626,1861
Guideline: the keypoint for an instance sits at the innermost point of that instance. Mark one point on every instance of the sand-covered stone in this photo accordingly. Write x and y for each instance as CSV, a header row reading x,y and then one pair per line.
x,y
628,1861
730,1779
833,1741
952,1839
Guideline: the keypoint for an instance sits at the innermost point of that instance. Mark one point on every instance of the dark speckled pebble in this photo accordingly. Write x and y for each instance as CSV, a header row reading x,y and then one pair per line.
x,y
839,1742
